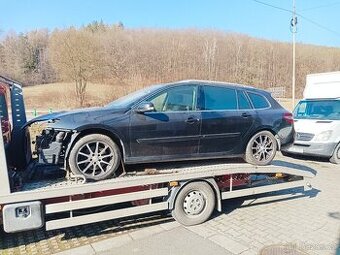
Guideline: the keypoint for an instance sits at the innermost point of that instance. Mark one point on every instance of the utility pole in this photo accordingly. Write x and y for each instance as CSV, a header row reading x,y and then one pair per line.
x,y
293,24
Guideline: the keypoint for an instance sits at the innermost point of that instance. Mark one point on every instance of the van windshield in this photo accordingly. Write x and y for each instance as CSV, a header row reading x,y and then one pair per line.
x,y
318,109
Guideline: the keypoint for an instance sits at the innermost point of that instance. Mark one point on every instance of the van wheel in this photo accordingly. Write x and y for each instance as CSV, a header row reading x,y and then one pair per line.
x,y
261,149
335,159
194,204
95,156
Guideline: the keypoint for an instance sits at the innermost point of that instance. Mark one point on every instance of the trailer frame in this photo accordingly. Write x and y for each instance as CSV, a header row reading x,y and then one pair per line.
x,y
175,179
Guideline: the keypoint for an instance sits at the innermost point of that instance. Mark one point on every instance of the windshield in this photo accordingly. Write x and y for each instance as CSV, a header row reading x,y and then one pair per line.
x,y
318,109
130,99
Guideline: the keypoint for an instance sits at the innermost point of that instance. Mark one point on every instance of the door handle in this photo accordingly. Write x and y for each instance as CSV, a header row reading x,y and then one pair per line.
x,y
192,120
245,115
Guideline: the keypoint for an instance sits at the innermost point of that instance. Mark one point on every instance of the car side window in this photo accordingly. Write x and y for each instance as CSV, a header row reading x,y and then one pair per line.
x,y
259,101
219,98
181,98
243,102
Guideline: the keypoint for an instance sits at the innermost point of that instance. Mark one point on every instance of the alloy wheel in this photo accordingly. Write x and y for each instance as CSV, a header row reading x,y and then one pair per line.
x,y
95,158
262,148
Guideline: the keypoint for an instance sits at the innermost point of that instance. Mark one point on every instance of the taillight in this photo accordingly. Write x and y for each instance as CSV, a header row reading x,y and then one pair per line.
x,y
288,117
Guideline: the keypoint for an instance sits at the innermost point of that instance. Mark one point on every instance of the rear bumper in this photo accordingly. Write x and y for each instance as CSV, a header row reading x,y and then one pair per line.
x,y
312,149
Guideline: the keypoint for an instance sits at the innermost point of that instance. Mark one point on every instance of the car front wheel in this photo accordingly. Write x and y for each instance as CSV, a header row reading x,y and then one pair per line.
x,y
94,156
261,149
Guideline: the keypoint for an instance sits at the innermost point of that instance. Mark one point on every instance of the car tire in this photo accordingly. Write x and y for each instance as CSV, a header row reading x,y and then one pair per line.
x,y
335,159
261,149
96,157
194,203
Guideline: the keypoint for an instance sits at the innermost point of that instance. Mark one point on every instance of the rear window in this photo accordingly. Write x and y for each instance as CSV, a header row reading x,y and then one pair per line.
x,y
259,101
219,98
3,107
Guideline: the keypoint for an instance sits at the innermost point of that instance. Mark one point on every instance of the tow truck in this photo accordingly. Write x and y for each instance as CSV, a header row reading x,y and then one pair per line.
x,y
34,196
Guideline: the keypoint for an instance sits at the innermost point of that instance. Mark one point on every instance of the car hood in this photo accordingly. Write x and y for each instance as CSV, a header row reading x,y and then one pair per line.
x,y
79,117
317,127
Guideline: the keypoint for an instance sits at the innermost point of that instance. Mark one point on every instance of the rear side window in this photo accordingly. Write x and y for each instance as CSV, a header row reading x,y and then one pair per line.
x,y
259,101
219,98
243,102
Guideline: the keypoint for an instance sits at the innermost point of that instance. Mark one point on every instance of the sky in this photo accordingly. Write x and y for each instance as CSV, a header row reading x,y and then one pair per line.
x,y
319,24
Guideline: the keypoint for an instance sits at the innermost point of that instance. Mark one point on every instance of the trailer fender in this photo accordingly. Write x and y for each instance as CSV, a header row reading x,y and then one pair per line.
x,y
211,181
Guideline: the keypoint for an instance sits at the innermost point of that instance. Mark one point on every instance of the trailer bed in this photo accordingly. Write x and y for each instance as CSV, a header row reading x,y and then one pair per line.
x,y
162,173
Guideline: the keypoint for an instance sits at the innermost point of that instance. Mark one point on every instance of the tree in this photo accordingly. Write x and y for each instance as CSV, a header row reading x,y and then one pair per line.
x,y
76,56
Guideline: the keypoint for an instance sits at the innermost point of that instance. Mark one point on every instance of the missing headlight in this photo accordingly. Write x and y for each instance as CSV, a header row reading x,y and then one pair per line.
x,y
49,146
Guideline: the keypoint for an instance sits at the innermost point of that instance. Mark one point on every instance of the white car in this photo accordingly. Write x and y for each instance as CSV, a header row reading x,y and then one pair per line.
x,y
317,127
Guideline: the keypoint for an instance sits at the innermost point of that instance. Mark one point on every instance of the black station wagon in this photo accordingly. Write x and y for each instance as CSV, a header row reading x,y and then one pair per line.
x,y
183,120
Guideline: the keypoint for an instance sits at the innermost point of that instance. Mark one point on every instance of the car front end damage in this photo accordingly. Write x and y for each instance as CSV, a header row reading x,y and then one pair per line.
x,y
50,146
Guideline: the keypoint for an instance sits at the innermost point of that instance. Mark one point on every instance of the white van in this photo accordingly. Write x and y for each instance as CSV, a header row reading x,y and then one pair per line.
x,y
317,118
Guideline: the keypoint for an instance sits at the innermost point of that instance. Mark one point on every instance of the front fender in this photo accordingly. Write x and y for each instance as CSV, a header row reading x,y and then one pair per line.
x,y
95,129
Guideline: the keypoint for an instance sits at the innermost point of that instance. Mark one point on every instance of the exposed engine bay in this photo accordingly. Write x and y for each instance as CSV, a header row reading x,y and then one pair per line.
x,y
49,146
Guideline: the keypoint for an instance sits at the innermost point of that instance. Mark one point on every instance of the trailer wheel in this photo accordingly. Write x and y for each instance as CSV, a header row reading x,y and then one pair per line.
x,y
94,156
335,159
261,149
194,203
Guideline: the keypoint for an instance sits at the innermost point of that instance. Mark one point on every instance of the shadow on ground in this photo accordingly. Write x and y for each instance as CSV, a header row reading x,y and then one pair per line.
x,y
336,215
57,240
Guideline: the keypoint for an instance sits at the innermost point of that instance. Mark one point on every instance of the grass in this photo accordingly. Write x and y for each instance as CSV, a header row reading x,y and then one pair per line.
x,y
63,96
59,96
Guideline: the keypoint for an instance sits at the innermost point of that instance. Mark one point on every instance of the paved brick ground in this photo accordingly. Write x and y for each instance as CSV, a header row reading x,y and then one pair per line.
x,y
308,221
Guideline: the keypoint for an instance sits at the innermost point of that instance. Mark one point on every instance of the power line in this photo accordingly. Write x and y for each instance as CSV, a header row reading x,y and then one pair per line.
x,y
319,25
320,6
273,6
301,16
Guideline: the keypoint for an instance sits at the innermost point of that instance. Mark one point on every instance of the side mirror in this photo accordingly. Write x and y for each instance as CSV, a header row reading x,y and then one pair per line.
x,y
145,107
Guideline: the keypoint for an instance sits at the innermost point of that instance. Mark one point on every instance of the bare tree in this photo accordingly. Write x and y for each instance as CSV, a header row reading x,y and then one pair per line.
x,y
75,55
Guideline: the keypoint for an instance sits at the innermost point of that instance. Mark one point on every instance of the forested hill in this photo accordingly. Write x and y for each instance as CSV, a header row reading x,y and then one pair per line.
x,y
113,54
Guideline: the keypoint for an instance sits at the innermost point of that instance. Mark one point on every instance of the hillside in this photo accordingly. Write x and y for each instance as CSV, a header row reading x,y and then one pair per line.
x,y
128,59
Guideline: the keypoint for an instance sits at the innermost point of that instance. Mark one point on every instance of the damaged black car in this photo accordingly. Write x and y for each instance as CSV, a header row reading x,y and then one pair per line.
x,y
184,120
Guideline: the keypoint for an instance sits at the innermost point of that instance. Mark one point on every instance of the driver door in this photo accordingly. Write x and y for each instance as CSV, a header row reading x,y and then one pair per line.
x,y
171,131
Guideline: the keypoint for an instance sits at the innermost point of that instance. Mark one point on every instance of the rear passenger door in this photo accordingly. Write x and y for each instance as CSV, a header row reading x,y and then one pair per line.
x,y
223,123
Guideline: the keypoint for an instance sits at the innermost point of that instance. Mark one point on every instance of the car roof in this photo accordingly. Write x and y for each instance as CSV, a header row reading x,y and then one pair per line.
x,y
216,83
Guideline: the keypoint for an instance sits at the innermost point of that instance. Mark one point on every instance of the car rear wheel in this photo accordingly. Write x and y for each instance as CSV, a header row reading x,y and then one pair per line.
x,y
335,159
261,149
194,203
94,156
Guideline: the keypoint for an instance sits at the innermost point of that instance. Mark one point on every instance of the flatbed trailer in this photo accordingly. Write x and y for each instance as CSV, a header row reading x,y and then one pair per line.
x,y
35,203
189,190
